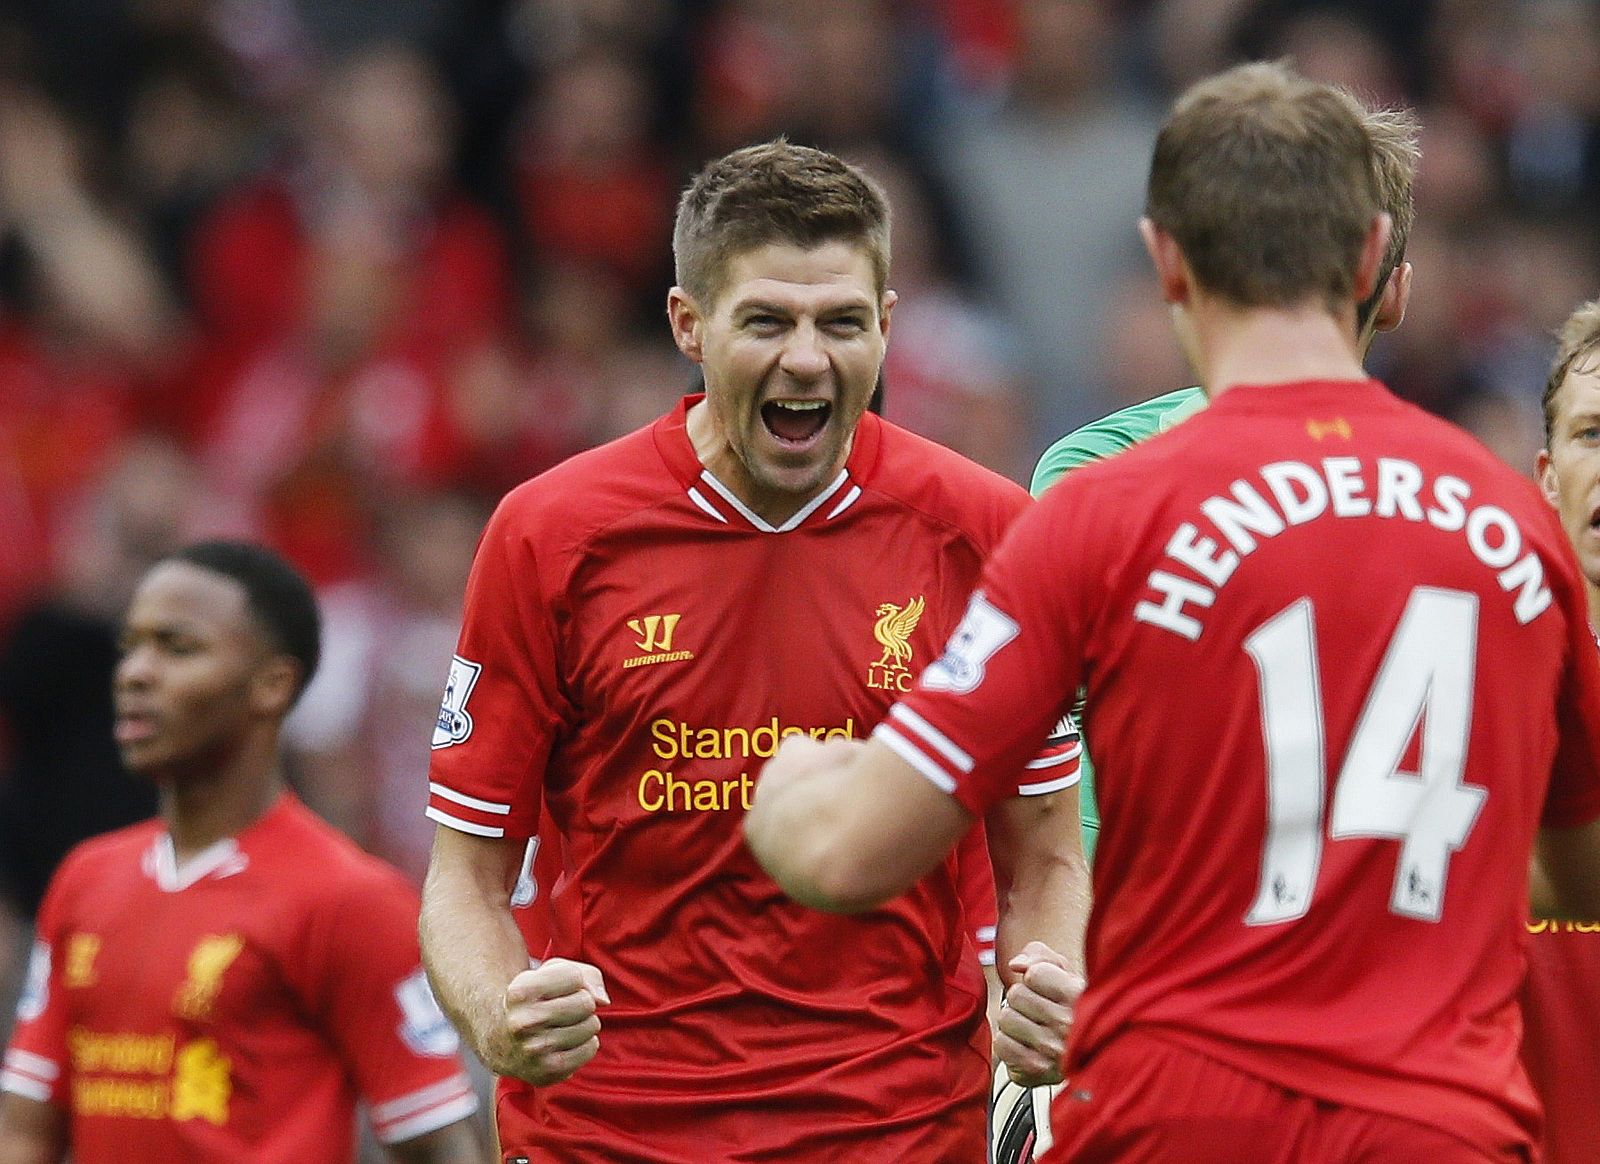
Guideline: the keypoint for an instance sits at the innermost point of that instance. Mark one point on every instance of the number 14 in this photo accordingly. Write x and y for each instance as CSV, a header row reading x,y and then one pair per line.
x,y
1427,677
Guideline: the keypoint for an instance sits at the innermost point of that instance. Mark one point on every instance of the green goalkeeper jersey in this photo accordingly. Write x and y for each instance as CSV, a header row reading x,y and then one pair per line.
x,y
1096,441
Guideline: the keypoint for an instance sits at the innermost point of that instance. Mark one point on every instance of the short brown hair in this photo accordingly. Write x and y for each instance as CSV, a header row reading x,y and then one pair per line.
x,y
1395,155
1578,337
776,192
1267,181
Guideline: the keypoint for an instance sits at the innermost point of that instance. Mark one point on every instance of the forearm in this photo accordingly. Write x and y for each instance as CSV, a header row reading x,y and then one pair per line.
x,y
845,826
457,1143
1049,903
1565,875
31,1132
1041,878
791,831
470,942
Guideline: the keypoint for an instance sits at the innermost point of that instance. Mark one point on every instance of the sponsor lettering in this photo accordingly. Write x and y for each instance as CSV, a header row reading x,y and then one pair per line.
x,y
675,740
1545,926
664,789
138,1099
148,1077
125,1054
663,792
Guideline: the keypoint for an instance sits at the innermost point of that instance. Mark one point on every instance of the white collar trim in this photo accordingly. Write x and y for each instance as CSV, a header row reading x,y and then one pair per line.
x,y
221,858
762,523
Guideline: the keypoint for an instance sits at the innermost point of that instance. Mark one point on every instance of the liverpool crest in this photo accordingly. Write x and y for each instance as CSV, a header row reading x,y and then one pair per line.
x,y
892,671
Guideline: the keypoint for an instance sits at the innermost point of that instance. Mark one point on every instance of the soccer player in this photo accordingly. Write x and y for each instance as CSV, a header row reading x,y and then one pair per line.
x,y
644,624
1561,996
1366,641
1032,1046
221,983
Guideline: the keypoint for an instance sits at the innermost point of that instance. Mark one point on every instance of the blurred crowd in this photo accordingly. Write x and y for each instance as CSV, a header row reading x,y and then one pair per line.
x,y
337,273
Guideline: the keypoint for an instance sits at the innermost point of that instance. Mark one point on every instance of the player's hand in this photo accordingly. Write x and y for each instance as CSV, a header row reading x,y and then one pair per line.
x,y
1031,1035
551,1028
798,757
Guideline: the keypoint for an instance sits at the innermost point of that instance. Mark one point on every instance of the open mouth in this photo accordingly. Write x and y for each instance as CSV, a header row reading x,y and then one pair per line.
x,y
795,422
133,728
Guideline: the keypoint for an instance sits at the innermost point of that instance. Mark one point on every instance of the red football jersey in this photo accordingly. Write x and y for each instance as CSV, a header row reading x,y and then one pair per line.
x,y
636,642
236,1008
1334,652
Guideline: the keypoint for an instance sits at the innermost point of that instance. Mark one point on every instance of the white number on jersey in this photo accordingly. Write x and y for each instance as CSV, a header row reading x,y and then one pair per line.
x,y
1426,678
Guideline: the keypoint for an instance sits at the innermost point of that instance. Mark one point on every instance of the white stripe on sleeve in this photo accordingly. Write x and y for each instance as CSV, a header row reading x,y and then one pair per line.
x,y
465,826
932,736
911,754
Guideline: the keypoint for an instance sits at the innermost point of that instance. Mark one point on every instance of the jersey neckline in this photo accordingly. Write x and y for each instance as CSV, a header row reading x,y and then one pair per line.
x,y
721,505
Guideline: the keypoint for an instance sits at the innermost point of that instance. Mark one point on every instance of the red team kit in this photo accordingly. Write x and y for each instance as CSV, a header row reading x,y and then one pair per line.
x,y
184,1016
1392,770
606,672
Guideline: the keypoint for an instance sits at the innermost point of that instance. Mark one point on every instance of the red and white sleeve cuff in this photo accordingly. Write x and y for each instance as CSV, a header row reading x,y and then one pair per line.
x,y
424,1111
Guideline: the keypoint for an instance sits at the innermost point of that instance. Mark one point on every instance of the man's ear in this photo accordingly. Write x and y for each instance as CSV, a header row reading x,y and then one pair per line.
x,y
688,330
1172,271
1545,472
274,685
1396,295
885,309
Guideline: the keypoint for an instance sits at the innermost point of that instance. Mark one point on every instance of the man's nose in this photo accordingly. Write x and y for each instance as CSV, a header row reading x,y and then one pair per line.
x,y
804,356
135,669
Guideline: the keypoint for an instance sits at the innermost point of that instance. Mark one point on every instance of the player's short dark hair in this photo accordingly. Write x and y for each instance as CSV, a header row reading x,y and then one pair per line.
x,y
1579,337
1268,183
279,596
775,192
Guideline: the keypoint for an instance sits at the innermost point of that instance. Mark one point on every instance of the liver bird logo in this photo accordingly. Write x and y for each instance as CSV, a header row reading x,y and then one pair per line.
x,y
893,631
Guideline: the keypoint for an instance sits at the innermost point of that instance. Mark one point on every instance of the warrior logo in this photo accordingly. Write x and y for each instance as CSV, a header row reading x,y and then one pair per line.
x,y
655,633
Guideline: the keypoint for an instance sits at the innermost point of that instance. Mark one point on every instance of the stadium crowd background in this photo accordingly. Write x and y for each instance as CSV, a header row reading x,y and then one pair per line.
x,y
337,274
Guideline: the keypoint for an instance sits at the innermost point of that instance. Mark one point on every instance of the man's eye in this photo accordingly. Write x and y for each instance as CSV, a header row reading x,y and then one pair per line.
x,y
848,325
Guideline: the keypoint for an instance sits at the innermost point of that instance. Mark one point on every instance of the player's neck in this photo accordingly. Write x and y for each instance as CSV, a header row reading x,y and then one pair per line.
x,y
1234,346
773,505
204,807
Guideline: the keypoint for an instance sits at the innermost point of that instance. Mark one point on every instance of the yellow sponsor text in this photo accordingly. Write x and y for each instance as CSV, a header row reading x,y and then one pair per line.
x,y
1544,926
140,1099
675,740
663,792
125,1054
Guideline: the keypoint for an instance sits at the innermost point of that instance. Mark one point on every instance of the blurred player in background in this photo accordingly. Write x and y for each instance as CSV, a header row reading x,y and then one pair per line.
x,y
644,624
1367,641
1561,997
222,983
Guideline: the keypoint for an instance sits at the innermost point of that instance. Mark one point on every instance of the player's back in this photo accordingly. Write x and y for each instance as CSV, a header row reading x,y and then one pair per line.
x,y
1325,673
